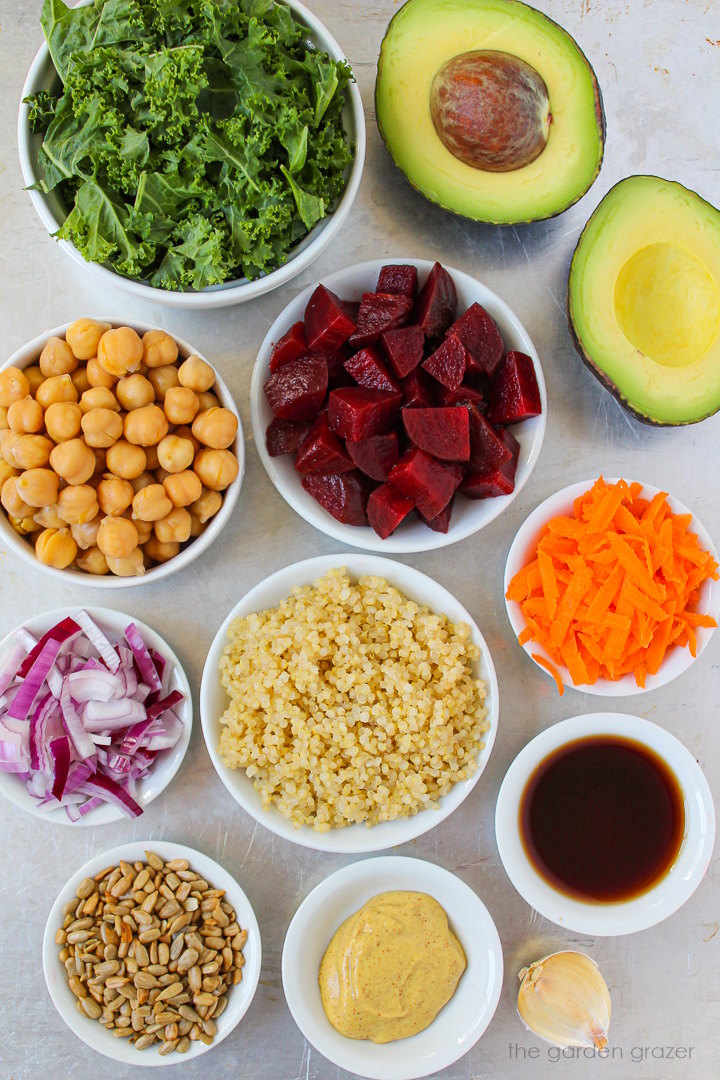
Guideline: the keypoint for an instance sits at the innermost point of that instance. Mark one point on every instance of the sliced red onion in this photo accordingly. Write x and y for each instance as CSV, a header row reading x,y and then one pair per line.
x,y
83,744
14,757
9,665
103,716
63,630
112,792
159,707
77,811
94,684
143,659
101,643
60,755
34,679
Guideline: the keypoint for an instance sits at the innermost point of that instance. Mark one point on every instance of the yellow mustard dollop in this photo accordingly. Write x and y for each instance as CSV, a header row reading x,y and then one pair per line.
x,y
390,968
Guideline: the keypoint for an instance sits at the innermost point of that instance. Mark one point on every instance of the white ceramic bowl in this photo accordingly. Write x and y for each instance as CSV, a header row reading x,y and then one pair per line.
x,y
42,76
469,515
167,762
677,660
352,839
26,357
92,1033
664,898
460,1023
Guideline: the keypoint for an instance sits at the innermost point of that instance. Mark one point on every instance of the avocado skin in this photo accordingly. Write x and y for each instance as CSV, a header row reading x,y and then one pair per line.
x,y
587,360
599,115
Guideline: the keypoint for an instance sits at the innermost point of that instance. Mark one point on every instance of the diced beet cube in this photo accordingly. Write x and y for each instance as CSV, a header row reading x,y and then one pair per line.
x,y
367,369
386,508
464,395
356,412
291,346
514,391
417,390
487,446
443,432
447,364
441,521
404,348
402,280
378,313
345,496
498,480
328,320
429,483
284,436
480,336
297,390
375,456
510,442
321,453
337,375
437,302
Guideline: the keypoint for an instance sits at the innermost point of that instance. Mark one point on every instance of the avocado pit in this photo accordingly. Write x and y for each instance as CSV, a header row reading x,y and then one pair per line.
x,y
491,110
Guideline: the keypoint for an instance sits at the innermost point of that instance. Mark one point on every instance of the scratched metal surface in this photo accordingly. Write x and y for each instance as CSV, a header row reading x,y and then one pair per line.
x,y
657,62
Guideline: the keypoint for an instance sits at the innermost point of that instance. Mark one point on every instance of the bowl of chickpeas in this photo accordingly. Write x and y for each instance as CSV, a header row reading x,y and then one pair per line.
x,y
121,453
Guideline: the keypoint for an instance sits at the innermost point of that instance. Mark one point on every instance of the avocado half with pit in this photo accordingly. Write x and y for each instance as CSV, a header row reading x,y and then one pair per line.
x,y
489,108
644,300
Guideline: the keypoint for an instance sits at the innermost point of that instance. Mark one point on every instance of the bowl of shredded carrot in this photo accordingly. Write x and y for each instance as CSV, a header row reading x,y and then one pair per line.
x,y
611,587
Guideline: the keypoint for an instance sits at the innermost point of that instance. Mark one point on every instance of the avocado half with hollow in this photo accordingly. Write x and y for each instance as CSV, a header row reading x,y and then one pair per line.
x,y
644,300
489,108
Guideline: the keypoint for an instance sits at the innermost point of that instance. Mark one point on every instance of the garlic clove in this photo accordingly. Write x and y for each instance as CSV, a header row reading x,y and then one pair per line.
x,y
564,999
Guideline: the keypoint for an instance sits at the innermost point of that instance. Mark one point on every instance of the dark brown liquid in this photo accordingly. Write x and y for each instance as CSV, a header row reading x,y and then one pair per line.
x,y
602,818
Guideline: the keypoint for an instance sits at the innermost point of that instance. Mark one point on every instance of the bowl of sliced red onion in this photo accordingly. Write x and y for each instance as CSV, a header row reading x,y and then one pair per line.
x,y
95,716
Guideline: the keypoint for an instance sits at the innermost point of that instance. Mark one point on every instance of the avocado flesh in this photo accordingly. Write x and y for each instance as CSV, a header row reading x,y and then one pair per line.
x,y
421,39
644,299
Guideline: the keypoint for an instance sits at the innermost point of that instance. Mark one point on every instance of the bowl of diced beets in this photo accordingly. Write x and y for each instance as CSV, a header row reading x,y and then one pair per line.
x,y
398,405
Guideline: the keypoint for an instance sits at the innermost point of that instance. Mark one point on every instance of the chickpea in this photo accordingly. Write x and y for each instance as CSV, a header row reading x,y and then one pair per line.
x,y
83,337
13,386
185,432
196,374
144,530
34,377
47,517
125,460
55,547
85,536
97,376
80,380
216,428
114,495
208,400
73,460
38,487
119,351
9,442
56,388
14,503
142,481
25,416
4,425
99,397
174,527
117,537
180,405
57,358
159,349
159,551
6,471
23,526
162,380
134,391
77,504
151,503
175,454
102,427
146,426
196,527
183,488
63,420
207,505
216,468
32,451
93,561
132,566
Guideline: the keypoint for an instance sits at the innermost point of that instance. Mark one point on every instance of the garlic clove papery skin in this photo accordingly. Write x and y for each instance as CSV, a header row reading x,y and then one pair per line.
x,y
564,999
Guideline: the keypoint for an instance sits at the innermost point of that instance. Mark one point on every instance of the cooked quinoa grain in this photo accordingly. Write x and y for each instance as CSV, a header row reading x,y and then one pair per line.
x,y
351,703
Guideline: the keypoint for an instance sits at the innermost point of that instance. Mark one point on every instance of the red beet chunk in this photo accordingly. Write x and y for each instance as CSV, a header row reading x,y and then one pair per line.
x,y
291,346
443,432
386,508
329,320
378,313
345,496
404,348
429,483
356,412
375,456
441,522
481,337
321,453
367,369
514,392
447,364
464,395
437,302
337,375
487,447
284,436
399,280
497,480
417,391
297,390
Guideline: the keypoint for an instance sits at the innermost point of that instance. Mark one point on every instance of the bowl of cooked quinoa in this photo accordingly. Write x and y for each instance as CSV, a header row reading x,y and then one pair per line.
x,y
349,703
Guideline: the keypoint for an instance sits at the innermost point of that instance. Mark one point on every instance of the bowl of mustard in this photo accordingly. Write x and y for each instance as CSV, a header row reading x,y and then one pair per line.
x,y
392,968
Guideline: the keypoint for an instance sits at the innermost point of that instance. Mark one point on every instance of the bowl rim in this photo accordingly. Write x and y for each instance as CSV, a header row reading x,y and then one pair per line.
x,y
85,1028
517,556
108,618
364,537
670,892
24,357
352,839
240,290
352,885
